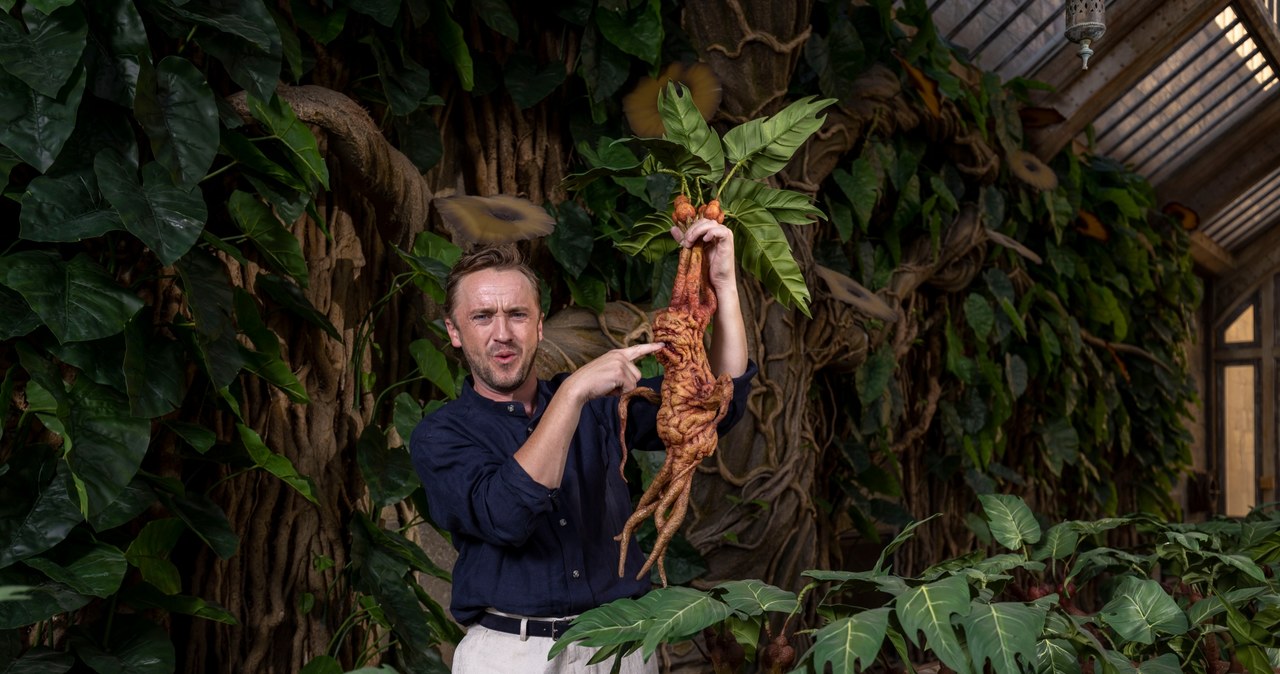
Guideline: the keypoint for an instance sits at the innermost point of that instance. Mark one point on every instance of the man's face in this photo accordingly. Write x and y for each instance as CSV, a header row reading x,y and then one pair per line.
x,y
497,323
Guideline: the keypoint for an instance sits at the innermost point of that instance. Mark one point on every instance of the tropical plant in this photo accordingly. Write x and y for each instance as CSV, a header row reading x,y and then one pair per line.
x,y
1193,598
729,171
221,299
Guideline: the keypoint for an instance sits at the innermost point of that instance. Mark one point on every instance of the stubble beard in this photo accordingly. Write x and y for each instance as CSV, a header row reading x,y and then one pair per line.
x,y
486,372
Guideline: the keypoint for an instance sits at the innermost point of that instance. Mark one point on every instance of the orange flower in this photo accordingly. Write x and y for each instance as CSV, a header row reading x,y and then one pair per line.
x,y
927,86
1186,217
1092,226
641,105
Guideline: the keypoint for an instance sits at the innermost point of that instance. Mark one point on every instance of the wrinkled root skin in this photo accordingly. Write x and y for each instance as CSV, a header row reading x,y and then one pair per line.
x,y
692,403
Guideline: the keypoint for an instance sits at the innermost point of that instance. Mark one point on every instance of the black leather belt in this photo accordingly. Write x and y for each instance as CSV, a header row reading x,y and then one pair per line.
x,y
534,628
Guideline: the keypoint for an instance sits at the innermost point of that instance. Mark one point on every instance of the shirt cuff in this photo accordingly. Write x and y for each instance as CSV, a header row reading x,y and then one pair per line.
x,y
527,491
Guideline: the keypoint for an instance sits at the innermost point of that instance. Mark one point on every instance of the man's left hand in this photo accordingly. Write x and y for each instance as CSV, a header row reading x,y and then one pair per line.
x,y
717,244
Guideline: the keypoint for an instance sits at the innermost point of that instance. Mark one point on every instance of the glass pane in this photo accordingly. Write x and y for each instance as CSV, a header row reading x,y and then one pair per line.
x,y
1241,330
1240,437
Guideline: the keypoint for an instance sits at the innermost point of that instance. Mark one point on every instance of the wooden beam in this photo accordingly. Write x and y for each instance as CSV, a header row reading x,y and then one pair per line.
x,y
1241,156
1209,256
1140,35
1262,28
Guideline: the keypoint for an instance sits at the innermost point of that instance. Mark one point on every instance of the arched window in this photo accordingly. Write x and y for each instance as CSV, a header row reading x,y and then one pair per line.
x,y
1246,351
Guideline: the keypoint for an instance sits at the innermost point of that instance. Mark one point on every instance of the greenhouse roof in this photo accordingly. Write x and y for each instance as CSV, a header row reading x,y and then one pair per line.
x,y
1184,91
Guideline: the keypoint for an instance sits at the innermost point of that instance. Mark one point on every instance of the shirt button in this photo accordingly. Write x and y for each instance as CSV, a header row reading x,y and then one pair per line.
x,y
511,408
575,573
564,522
530,429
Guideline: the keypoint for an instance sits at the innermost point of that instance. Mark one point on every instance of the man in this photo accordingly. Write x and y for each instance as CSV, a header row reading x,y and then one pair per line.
x,y
524,472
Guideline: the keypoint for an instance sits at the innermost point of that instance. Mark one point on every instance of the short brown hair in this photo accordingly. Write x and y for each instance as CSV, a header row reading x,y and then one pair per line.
x,y
502,258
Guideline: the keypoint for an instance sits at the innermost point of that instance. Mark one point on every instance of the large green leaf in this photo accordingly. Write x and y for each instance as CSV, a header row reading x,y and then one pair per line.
x,y
669,155
276,464
396,545
99,125
1059,542
35,126
453,43
20,320
149,553
1243,563
764,253
928,608
41,600
206,519
253,68
66,208
754,597
107,443
78,300
241,34
387,471
405,417
210,299
528,83
276,243
680,613
254,161
144,595
685,125
165,216
1004,633
1011,521
431,257
433,365
175,107
637,32
1140,609
96,569
137,646
40,660
650,237
1211,606
1056,656
573,239
154,369
620,622
862,185
382,575
761,147
382,11
850,643
290,297
1169,664
246,19
130,503
118,49
609,158
300,144
50,519
45,53
786,206
406,85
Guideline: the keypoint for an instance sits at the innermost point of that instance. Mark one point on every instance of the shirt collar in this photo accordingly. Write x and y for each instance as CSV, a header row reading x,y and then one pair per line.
x,y
504,407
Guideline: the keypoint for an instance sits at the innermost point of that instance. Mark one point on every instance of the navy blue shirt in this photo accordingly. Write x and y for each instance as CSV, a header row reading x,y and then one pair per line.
x,y
524,548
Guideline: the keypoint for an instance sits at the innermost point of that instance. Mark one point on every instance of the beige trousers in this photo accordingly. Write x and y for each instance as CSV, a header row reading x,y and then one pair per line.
x,y
486,651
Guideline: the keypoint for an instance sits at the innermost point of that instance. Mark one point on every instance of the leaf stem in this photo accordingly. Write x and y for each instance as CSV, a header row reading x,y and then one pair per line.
x,y
727,177
220,171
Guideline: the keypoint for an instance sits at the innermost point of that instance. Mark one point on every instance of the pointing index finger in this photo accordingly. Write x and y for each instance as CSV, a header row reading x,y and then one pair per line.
x,y
637,351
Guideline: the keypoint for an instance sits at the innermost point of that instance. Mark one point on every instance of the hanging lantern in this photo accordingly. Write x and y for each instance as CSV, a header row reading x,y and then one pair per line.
x,y
1086,22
